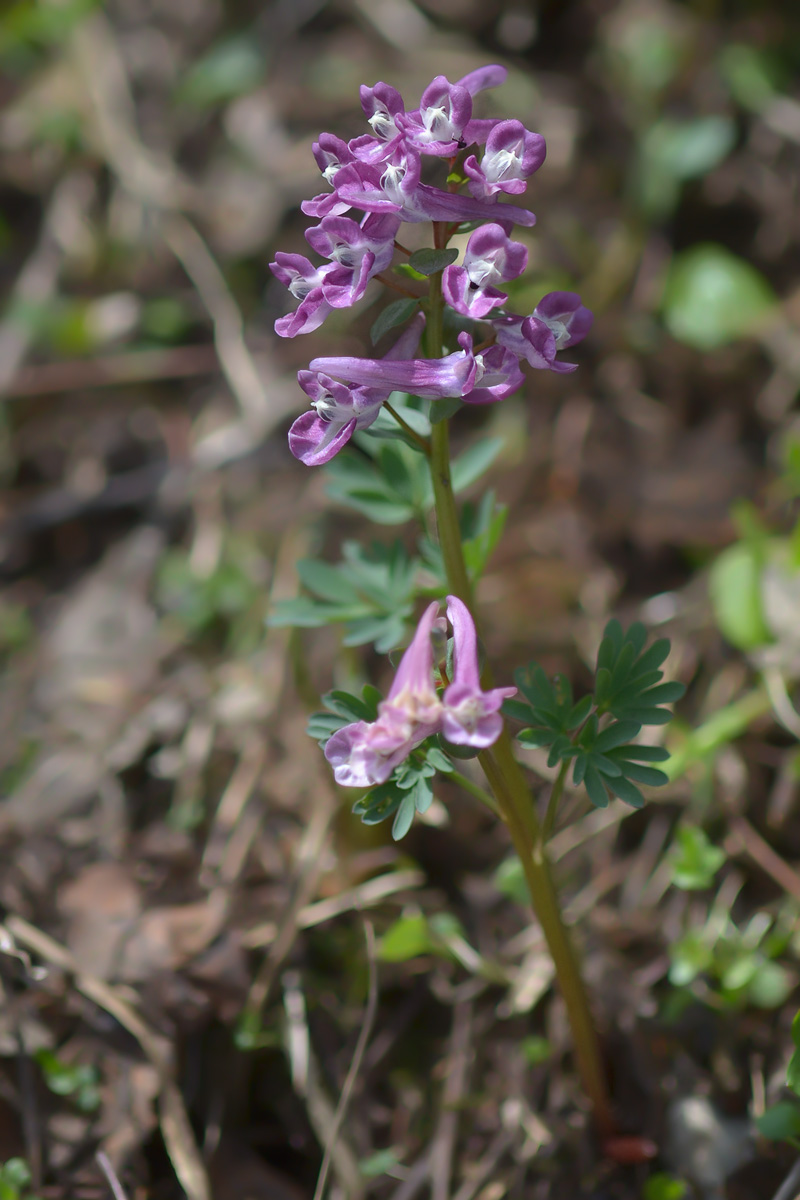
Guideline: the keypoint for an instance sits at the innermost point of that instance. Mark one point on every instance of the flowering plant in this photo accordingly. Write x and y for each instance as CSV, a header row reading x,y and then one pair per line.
x,y
443,706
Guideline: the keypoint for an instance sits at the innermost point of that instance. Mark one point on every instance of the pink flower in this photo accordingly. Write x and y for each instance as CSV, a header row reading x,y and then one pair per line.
x,y
365,753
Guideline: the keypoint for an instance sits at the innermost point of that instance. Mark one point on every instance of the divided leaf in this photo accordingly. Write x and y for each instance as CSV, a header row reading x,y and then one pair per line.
x,y
371,592
627,680
343,708
407,793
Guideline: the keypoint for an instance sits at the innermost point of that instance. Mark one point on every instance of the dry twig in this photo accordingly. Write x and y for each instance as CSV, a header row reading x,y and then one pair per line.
x,y
176,1128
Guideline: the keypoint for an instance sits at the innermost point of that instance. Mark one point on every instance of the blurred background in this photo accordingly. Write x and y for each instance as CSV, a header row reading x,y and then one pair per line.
x,y
174,856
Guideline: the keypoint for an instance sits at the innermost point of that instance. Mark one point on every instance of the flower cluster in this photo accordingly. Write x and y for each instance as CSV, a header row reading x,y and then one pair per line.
x,y
380,175
365,753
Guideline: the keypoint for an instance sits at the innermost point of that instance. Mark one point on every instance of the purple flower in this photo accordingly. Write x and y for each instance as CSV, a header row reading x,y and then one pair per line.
x,y
477,378
430,378
558,320
490,258
490,76
331,154
470,717
568,320
438,126
305,282
364,754
498,375
360,251
382,106
339,409
512,153
393,185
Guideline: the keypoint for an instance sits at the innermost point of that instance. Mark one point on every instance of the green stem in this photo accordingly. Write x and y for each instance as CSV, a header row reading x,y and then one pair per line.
x,y
552,804
507,780
475,790
422,442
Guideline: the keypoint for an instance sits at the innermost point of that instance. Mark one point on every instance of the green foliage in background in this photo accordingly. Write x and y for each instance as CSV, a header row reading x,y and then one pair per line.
x,y
712,297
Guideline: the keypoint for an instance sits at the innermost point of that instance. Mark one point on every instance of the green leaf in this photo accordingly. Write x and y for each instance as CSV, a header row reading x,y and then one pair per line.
x,y
535,1050
673,151
664,1187
509,879
355,482
780,1123
407,938
404,817
379,804
326,581
614,736
481,528
393,315
443,409
594,787
477,459
734,585
691,955
627,676
712,297
770,986
428,261
378,1164
229,69
694,860
793,1069
626,791
751,75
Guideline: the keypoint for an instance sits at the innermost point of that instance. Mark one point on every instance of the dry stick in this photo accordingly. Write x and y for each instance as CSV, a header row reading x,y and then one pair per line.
x,y
38,279
113,370
310,854
306,1082
367,1023
455,1083
790,1188
746,838
105,1166
156,182
497,1148
176,1128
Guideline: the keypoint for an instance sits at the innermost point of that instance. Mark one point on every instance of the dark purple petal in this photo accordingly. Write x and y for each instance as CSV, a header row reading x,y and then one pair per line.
x,y
331,154
430,378
381,105
324,205
431,204
297,273
315,441
566,316
438,125
490,76
308,316
498,376
467,297
491,256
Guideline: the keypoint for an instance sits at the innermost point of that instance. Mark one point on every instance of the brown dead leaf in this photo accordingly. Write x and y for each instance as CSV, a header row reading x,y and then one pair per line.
x,y
101,905
167,938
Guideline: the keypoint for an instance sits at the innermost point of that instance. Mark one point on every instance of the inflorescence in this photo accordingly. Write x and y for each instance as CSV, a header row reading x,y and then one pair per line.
x,y
380,175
